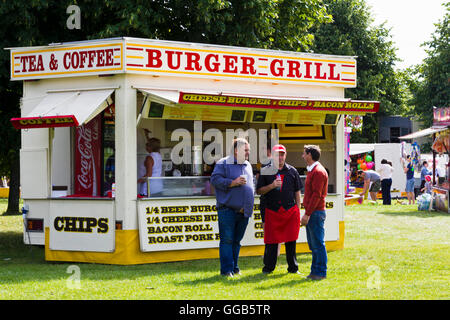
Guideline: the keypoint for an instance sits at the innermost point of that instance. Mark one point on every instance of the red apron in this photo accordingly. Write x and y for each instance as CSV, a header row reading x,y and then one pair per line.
x,y
282,225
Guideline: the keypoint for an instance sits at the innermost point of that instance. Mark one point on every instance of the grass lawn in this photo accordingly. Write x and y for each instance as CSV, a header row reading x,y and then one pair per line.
x,y
393,252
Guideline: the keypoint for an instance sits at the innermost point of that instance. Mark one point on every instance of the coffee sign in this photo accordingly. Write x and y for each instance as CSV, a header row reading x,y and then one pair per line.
x,y
66,61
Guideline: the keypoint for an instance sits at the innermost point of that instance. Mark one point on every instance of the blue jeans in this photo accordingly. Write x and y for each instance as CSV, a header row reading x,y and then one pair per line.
x,y
410,185
315,233
232,227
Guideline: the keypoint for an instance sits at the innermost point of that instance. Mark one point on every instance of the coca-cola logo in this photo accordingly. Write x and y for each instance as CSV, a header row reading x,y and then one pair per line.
x,y
86,175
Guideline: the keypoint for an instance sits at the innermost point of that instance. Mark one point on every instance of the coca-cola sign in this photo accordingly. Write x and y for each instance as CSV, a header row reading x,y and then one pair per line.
x,y
88,158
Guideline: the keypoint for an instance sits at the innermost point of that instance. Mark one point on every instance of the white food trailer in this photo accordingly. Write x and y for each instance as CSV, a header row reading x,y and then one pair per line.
x,y
84,109
391,152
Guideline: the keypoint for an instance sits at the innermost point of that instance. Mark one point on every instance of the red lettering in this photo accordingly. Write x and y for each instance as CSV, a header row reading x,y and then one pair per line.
x,y
100,56
23,61
66,60
83,55
109,61
40,64
332,76
91,58
154,58
192,63
277,72
32,66
308,70
230,64
170,63
248,65
75,62
212,67
294,69
32,63
318,76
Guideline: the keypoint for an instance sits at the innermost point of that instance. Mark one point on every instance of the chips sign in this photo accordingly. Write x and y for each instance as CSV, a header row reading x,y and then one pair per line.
x,y
294,104
154,57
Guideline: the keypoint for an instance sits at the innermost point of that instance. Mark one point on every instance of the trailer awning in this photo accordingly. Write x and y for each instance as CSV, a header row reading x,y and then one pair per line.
x,y
161,96
423,133
66,109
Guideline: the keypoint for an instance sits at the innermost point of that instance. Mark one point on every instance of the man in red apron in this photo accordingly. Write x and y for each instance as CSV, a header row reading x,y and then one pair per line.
x,y
280,184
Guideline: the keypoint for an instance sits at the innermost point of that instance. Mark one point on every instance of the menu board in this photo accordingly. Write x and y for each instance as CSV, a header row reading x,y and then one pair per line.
x,y
192,223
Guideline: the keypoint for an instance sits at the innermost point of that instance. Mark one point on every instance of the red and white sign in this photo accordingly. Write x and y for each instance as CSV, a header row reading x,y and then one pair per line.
x,y
62,61
240,63
165,58
44,122
270,103
88,142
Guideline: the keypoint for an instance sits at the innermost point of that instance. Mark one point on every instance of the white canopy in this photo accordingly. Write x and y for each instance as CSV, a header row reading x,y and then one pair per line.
x,y
79,105
359,148
423,133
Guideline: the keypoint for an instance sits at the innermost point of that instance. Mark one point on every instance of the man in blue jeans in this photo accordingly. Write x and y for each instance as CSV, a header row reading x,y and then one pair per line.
x,y
409,170
233,180
316,188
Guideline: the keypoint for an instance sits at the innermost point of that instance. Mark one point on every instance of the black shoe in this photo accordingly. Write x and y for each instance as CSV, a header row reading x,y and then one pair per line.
x,y
315,277
228,274
266,272
294,272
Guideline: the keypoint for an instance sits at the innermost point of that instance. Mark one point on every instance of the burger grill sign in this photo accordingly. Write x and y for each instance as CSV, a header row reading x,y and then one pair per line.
x,y
182,60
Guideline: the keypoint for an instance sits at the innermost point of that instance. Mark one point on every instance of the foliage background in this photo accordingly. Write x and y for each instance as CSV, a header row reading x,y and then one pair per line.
x,y
340,27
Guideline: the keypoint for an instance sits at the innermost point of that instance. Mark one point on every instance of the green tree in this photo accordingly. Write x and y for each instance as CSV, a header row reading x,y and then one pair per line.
x,y
351,33
281,24
430,81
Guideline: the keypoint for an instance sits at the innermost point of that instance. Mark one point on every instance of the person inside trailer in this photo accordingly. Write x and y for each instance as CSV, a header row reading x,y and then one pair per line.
x,y
151,167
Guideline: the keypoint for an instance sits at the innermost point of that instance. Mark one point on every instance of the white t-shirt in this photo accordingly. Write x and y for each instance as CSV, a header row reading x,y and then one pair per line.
x,y
156,185
385,171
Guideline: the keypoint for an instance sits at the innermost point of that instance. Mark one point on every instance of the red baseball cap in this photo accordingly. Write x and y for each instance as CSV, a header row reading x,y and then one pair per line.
x,y
428,178
279,148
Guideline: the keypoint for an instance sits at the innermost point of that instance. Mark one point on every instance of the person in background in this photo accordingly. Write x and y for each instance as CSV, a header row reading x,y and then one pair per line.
x,y
316,188
423,173
151,167
109,173
281,187
373,177
427,188
232,179
409,170
262,198
385,170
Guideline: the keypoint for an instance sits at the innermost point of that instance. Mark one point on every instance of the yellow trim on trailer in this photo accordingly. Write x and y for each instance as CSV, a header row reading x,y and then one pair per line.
x,y
128,252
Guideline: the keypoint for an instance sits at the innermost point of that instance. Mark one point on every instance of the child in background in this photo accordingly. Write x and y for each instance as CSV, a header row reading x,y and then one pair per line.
x,y
428,185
